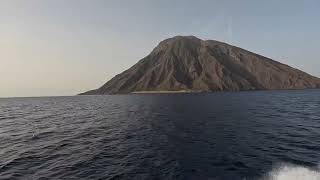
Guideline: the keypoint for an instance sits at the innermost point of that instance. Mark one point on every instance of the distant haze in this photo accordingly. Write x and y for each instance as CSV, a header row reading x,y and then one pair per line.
x,y
58,47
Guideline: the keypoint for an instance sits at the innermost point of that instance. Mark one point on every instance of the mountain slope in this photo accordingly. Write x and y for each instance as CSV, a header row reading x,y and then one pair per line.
x,y
191,64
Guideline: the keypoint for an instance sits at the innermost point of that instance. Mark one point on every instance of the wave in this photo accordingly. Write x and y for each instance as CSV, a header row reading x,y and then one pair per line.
x,y
293,172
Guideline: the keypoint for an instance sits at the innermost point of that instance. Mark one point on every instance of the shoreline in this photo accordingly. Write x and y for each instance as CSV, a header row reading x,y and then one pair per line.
x,y
165,92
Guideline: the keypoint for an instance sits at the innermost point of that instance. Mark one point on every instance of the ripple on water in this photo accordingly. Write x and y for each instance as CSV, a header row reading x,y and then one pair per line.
x,y
190,136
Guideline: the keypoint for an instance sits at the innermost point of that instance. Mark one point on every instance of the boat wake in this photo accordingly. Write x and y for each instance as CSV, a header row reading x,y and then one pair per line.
x,y
293,172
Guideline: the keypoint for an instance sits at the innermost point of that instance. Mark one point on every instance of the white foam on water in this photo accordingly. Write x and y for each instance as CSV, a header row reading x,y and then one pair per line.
x,y
292,172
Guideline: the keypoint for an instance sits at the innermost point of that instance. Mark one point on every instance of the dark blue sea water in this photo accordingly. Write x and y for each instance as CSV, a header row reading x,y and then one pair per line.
x,y
165,136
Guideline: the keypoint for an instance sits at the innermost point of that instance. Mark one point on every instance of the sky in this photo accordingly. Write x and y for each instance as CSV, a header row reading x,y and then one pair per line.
x,y
60,48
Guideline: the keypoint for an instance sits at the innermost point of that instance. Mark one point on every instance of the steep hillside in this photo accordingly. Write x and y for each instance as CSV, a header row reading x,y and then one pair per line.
x,y
186,63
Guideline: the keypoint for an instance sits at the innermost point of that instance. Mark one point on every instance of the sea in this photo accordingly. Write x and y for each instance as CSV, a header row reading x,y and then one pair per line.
x,y
203,136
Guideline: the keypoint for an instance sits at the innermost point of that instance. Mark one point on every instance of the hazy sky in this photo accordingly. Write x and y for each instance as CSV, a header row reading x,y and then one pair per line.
x,y
64,47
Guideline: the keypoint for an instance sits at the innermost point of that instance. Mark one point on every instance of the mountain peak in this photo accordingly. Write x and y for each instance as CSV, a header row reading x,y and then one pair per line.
x,y
180,37
187,63
178,42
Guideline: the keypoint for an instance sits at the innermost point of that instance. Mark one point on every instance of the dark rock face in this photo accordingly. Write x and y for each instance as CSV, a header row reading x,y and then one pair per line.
x,y
191,64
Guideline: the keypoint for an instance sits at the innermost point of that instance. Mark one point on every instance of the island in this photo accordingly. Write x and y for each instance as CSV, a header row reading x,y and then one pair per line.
x,y
188,64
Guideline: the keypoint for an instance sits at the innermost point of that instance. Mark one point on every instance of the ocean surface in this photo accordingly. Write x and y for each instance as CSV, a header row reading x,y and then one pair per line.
x,y
239,135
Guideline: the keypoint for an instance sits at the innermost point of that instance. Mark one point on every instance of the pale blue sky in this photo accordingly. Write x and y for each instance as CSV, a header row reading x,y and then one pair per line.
x,y
64,47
